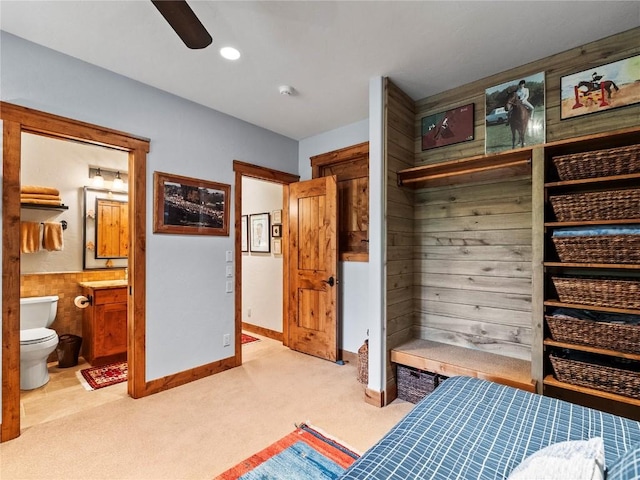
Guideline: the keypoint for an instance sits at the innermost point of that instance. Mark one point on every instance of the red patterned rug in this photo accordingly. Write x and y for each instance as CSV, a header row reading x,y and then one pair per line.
x,y
305,453
248,338
99,377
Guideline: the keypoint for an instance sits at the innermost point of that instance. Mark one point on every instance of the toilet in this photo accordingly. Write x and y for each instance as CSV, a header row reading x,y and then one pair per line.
x,y
36,340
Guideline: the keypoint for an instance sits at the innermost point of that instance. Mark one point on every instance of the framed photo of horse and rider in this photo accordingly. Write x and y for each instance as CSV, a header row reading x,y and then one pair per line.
x,y
516,110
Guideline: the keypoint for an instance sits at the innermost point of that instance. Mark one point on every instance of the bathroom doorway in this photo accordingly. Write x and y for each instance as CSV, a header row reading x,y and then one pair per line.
x,y
92,251
17,120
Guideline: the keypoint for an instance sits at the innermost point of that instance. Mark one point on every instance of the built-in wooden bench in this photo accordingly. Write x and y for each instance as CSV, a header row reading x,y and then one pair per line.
x,y
451,360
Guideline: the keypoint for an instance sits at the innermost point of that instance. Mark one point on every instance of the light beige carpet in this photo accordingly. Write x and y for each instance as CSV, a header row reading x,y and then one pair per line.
x,y
203,428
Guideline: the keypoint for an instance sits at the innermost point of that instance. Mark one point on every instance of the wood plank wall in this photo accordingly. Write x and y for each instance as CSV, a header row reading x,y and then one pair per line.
x,y
399,138
472,244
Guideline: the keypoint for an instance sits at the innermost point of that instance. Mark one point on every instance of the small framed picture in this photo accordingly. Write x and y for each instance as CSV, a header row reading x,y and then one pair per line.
x,y
244,233
447,128
276,231
277,246
276,216
260,232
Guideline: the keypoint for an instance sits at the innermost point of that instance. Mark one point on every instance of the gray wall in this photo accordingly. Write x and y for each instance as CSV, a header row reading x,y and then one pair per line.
x,y
185,274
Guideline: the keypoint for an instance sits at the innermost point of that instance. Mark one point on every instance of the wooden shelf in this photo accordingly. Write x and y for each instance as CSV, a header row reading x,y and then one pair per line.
x,y
585,348
37,206
481,167
626,221
596,182
621,266
555,303
551,381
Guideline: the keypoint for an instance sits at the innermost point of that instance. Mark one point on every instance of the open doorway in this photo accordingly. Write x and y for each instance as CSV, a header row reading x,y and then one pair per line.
x,y
17,120
271,182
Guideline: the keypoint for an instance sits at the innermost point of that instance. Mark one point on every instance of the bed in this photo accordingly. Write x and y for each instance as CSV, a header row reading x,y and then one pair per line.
x,y
474,429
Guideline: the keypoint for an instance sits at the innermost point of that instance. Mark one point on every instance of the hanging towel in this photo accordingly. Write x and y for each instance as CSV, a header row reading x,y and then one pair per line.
x,y
39,189
52,237
29,237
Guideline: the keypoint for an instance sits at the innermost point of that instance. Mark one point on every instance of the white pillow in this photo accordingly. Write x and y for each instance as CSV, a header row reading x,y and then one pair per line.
x,y
572,460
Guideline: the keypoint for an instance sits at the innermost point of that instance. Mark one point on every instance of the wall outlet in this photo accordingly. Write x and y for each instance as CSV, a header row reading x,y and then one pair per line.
x,y
226,340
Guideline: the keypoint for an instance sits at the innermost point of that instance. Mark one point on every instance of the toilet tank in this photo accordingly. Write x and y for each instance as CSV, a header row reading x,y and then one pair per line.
x,y
38,312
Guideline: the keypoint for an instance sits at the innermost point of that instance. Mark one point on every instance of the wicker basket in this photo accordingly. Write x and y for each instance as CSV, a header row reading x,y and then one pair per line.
x,y
605,205
414,384
600,377
363,363
598,248
600,292
599,163
613,336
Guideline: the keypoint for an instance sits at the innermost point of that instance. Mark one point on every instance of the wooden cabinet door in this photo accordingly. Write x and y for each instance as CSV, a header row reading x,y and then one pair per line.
x,y
110,334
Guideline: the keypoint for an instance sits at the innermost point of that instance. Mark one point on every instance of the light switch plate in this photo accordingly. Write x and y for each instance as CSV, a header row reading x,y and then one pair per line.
x,y
229,256
229,271
229,287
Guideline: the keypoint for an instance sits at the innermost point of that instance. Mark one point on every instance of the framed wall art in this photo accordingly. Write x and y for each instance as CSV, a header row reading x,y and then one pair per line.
x,y
597,89
260,239
515,114
276,231
190,206
244,233
447,128
276,216
277,246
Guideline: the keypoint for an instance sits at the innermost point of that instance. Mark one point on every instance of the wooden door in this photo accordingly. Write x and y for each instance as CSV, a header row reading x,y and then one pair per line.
x,y
312,267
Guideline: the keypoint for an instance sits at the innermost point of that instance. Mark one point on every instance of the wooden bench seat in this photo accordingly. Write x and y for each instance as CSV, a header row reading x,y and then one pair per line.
x,y
451,360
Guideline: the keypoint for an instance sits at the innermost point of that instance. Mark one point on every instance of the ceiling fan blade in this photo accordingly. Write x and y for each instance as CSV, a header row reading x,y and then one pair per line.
x,y
184,22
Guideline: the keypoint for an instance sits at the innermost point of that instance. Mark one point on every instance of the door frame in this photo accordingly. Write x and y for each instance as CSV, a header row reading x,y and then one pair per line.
x,y
243,169
15,121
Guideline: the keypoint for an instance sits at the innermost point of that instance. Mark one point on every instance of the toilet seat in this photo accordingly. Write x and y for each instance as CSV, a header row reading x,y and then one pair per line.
x,y
33,336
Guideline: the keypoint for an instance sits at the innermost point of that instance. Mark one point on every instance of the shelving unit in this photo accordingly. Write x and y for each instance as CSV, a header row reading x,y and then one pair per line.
x,y
598,396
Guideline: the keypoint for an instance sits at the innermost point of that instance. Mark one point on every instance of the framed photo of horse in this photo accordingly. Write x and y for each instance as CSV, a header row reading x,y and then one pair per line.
x,y
447,128
608,86
515,114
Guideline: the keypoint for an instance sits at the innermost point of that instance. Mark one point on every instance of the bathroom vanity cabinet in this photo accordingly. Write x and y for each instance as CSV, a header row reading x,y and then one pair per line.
x,y
104,325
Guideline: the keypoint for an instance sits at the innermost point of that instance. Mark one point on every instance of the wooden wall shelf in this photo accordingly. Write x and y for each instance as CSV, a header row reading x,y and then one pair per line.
x,y
482,167
37,206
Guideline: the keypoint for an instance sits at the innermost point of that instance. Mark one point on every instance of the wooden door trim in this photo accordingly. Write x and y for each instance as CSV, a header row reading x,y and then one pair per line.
x,y
17,120
243,169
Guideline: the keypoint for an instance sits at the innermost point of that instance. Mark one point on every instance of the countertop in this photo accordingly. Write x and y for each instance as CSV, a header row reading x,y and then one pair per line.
x,y
103,284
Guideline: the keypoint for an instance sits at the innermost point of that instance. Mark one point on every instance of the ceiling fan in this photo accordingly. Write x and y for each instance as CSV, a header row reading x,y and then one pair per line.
x,y
184,22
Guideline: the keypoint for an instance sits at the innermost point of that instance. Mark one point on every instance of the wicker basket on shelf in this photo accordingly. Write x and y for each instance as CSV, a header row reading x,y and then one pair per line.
x,y
599,163
612,336
591,375
600,292
605,205
598,248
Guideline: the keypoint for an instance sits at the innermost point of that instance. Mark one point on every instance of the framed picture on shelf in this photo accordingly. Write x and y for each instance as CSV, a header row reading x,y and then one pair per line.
x,y
447,128
189,206
600,88
515,114
260,240
244,233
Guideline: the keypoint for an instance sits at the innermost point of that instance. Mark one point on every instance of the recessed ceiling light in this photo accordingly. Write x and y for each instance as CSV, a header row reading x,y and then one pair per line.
x,y
230,53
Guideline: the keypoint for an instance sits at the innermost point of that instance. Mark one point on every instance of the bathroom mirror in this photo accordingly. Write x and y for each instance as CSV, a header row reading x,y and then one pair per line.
x,y
106,229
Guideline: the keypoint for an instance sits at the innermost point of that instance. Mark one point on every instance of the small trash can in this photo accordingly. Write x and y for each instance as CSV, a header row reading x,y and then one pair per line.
x,y
68,350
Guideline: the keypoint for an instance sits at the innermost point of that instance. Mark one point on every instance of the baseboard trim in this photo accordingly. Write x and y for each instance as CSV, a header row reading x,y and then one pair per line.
x,y
187,376
265,332
373,397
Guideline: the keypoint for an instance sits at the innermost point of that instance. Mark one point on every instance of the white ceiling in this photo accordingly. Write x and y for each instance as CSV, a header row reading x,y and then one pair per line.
x,y
327,50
